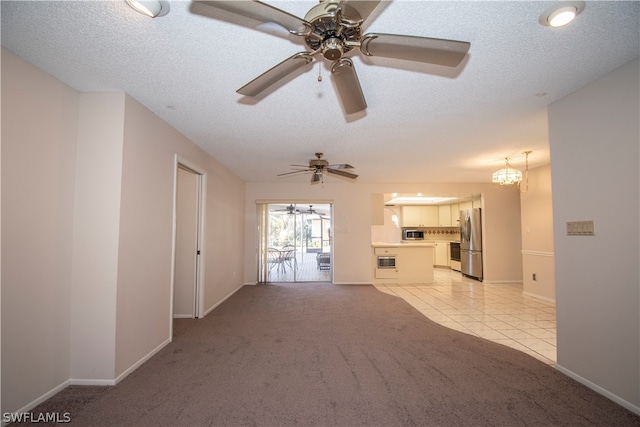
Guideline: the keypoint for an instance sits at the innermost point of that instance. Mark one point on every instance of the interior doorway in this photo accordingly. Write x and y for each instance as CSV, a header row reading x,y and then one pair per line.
x,y
187,246
296,242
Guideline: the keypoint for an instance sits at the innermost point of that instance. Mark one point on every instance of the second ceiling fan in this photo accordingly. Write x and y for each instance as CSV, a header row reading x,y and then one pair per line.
x,y
332,29
319,166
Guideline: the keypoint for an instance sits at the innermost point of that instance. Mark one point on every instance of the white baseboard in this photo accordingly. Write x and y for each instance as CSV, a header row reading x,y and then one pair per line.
x,y
29,406
141,361
540,297
183,316
606,393
502,282
85,381
210,309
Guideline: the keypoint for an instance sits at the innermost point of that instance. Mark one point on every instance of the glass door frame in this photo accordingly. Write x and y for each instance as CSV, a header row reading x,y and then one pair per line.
x,y
293,269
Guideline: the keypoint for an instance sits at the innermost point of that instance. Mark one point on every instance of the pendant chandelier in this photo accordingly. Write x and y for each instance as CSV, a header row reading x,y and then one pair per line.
x,y
511,176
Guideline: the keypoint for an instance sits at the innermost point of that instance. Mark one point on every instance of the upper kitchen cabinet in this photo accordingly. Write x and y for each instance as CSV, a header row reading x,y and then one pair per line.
x,y
444,215
420,216
455,215
466,205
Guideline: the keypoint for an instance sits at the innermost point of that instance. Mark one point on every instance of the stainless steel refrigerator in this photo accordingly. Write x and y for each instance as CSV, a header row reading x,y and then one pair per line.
x,y
471,243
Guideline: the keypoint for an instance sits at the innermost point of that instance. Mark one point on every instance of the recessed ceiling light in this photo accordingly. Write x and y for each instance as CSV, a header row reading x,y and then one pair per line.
x,y
152,8
561,14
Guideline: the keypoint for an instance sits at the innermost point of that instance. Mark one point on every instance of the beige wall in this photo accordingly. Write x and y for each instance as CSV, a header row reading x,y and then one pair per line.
x,y
352,224
595,155
146,232
95,235
537,235
39,125
87,232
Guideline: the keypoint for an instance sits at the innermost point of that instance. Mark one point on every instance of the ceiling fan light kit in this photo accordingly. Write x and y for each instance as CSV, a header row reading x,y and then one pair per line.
x,y
332,29
561,14
151,8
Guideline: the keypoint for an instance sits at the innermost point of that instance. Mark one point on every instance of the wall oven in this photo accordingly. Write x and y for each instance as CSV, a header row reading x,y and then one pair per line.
x,y
386,261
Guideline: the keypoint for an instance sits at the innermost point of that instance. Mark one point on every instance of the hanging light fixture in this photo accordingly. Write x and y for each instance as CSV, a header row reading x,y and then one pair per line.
x,y
511,176
152,8
507,175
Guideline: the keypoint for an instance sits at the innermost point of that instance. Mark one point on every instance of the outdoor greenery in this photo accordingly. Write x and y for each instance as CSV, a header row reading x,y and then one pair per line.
x,y
296,230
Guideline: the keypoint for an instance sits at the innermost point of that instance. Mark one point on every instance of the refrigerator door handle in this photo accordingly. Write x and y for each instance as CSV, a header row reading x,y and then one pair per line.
x,y
467,229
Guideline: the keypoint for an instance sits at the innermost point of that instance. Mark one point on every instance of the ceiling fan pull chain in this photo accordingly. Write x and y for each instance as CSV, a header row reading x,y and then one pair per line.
x,y
319,72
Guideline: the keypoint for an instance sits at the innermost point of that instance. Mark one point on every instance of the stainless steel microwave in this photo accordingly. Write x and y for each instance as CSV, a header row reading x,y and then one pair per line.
x,y
412,235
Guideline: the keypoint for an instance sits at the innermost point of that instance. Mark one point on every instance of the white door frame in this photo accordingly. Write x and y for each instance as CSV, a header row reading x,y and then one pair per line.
x,y
200,268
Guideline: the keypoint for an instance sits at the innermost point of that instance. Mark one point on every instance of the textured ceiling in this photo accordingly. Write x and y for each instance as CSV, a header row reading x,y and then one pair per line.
x,y
424,123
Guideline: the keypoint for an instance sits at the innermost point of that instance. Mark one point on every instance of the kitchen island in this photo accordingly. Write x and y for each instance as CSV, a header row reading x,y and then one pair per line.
x,y
402,262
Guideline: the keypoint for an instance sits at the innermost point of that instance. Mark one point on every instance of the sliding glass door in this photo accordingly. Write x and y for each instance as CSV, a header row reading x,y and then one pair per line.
x,y
295,242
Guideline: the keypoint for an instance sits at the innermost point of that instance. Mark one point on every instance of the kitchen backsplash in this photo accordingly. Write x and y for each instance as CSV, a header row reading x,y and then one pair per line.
x,y
441,230
441,233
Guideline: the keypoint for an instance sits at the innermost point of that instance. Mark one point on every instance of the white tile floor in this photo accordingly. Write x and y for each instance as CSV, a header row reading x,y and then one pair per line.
x,y
497,312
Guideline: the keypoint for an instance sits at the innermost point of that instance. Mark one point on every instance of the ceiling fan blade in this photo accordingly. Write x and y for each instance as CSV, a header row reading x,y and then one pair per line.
x,y
262,12
364,7
342,173
340,166
420,49
348,86
291,173
266,79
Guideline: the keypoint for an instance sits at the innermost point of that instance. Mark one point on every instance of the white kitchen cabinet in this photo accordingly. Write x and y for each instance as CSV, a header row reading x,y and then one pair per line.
x,y
387,273
455,215
411,216
410,265
444,215
441,254
420,216
466,205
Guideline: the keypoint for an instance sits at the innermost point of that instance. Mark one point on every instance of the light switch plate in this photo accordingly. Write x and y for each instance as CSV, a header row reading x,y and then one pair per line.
x,y
580,228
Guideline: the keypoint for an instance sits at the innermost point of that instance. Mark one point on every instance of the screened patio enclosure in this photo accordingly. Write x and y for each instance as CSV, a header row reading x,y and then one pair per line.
x,y
295,242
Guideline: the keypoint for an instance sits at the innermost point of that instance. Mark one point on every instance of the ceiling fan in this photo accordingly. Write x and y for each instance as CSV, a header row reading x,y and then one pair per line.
x,y
312,211
290,210
332,29
319,166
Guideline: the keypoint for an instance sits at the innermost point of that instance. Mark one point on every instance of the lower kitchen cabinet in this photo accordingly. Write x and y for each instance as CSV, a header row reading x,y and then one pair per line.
x,y
441,254
411,263
387,273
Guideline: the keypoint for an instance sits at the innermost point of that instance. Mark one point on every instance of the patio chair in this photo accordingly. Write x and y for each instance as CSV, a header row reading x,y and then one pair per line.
x,y
288,255
274,258
324,260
